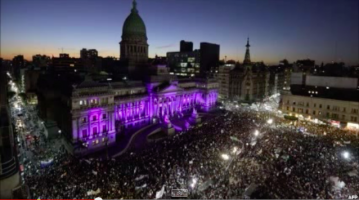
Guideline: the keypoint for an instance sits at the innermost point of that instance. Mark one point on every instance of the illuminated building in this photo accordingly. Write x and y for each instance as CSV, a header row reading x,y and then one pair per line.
x,y
199,63
332,99
186,64
10,179
91,113
99,110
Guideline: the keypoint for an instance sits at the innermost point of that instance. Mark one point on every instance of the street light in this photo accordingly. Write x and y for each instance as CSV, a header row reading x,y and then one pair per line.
x,y
270,121
346,155
59,131
225,156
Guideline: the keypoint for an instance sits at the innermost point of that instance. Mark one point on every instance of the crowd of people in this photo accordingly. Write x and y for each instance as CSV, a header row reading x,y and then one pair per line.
x,y
233,155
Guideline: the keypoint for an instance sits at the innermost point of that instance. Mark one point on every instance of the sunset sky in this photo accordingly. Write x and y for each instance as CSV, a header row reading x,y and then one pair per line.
x,y
278,29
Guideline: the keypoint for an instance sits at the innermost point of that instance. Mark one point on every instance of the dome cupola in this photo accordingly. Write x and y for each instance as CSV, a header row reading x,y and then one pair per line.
x,y
134,25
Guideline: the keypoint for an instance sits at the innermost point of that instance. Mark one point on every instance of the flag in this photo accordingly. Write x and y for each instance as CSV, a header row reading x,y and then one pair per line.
x,y
159,194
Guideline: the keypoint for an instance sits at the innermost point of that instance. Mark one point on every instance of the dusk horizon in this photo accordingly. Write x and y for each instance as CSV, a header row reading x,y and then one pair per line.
x,y
318,30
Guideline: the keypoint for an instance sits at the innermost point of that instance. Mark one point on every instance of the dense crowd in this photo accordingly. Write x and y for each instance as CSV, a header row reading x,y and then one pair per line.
x,y
233,155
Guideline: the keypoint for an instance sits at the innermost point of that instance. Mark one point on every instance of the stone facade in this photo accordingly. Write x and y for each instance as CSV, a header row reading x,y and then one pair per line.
x,y
99,111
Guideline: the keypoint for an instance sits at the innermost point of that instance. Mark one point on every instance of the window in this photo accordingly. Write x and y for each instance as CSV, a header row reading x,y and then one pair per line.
x,y
336,108
328,114
313,112
307,104
328,107
288,108
96,141
104,116
84,133
343,117
94,118
315,105
84,120
320,105
81,103
104,128
355,111
344,109
94,130
353,119
320,112
335,116
293,109
306,111
300,110
293,103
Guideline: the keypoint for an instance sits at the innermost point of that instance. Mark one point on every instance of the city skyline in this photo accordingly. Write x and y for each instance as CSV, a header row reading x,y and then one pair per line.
x,y
319,30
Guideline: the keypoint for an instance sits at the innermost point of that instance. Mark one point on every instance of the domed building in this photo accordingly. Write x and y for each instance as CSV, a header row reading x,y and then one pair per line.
x,y
134,47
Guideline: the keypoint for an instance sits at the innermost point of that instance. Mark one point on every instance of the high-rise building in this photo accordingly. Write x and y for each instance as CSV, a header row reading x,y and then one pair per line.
x,y
209,58
185,64
10,180
186,46
199,63
133,46
18,63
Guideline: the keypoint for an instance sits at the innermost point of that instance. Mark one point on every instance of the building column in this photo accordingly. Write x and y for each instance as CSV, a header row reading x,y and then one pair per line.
x,y
89,126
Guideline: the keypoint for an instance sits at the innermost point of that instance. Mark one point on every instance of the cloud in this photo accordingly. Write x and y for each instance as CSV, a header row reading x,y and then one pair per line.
x,y
165,46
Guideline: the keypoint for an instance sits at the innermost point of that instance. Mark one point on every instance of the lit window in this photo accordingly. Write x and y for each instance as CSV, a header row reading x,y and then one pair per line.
x,y
81,102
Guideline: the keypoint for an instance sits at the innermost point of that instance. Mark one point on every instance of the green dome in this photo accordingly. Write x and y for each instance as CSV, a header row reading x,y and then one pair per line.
x,y
134,25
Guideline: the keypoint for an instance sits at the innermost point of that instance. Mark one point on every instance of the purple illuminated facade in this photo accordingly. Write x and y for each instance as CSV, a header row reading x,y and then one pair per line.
x,y
99,111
